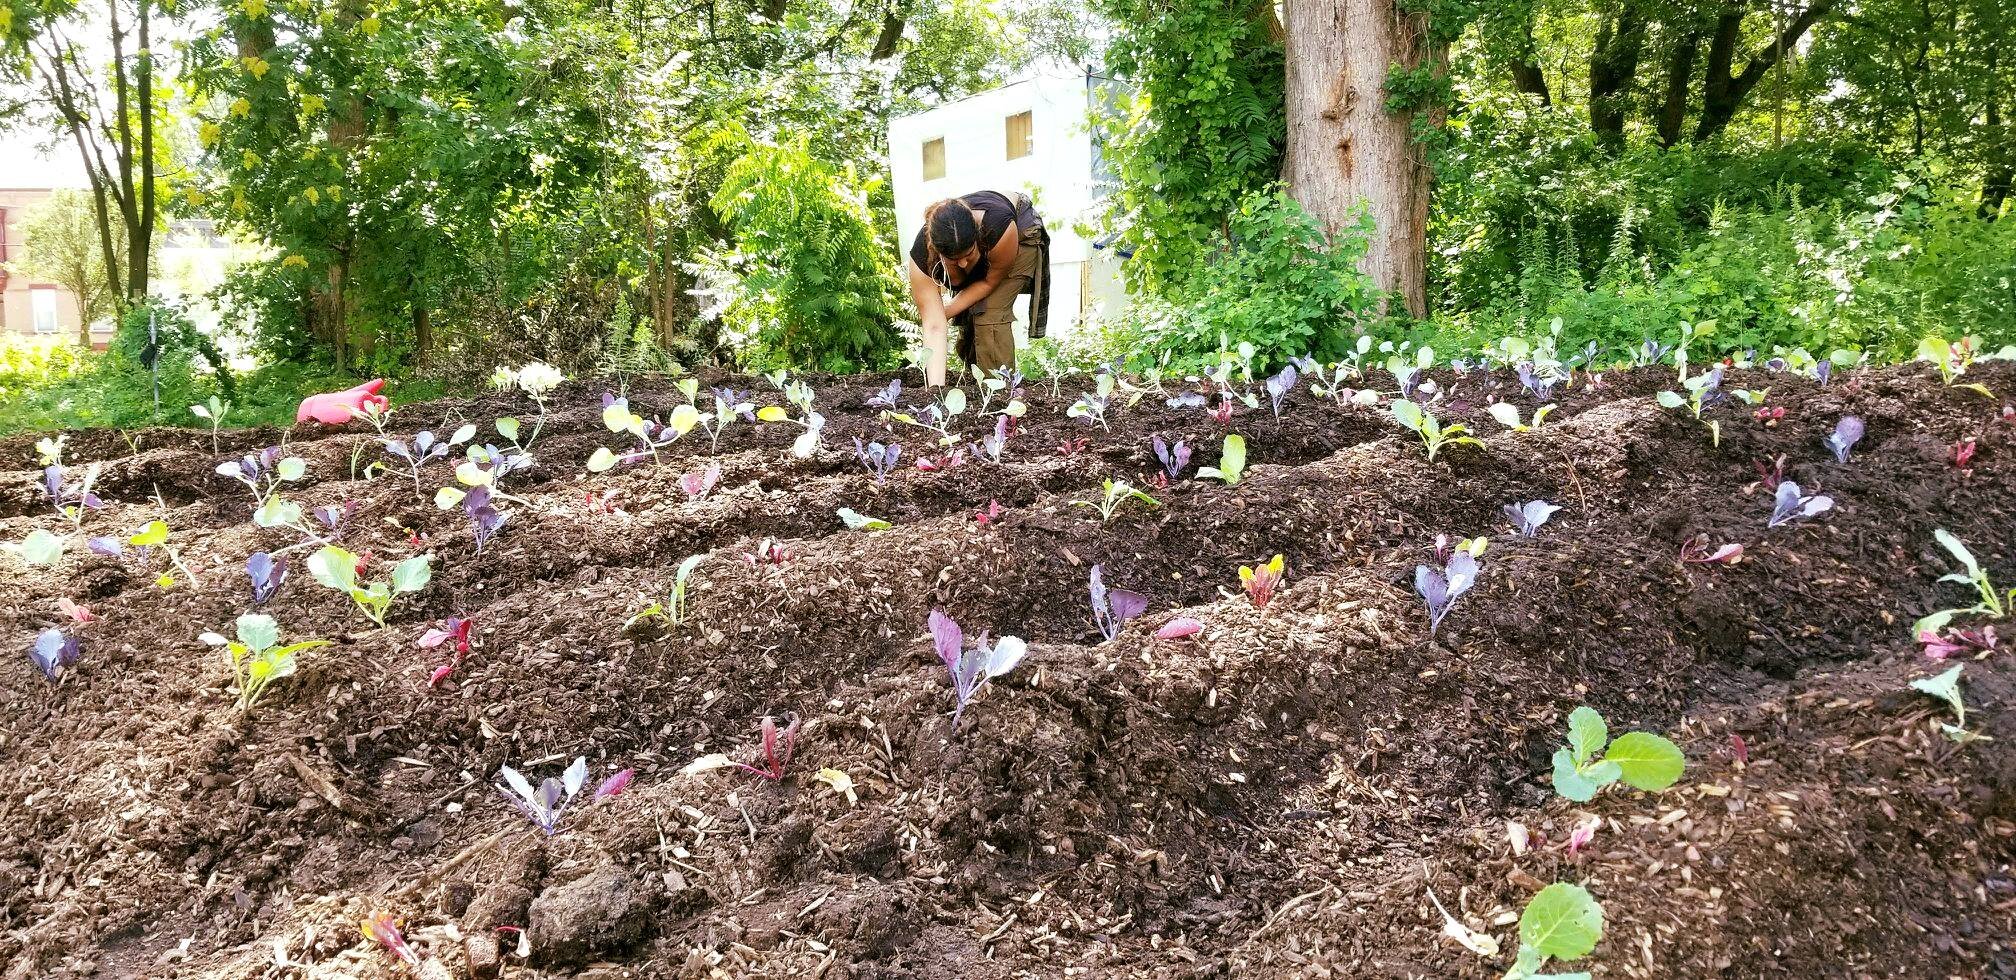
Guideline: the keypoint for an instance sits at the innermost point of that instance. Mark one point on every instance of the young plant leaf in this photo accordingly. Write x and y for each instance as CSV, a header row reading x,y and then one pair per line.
x,y
1647,761
1562,922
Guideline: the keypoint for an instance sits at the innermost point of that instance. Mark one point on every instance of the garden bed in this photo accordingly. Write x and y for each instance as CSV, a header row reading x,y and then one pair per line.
x,y
1270,798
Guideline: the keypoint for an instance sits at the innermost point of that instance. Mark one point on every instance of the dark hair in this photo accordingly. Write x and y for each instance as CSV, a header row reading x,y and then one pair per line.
x,y
950,229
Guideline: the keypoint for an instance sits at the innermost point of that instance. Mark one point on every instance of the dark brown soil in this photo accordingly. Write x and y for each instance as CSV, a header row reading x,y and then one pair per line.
x,y
1271,799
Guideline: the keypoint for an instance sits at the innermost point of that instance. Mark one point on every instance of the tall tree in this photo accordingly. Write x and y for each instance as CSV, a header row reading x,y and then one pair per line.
x,y
1357,74
111,112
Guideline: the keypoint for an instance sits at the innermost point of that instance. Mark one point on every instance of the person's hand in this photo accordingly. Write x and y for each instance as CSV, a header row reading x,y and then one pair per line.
x,y
338,407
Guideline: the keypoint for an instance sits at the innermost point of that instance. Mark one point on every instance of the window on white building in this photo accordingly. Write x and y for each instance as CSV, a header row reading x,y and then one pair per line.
x,y
934,159
42,308
1021,135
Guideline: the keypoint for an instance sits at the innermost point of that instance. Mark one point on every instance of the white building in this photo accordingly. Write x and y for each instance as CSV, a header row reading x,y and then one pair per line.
x,y
1033,135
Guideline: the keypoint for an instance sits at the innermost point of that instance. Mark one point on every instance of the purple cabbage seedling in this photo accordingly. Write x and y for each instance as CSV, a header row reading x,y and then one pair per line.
x,y
778,745
546,805
993,445
483,514
1842,440
263,473
1440,588
1112,608
424,449
889,398
738,402
333,516
1536,384
699,483
1699,550
1278,387
970,668
1262,581
1791,504
879,460
1529,516
71,498
1175,459
53,651
267,572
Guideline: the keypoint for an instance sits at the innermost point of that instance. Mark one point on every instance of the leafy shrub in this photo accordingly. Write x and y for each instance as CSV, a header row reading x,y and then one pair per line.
x,y
1273,279
808,282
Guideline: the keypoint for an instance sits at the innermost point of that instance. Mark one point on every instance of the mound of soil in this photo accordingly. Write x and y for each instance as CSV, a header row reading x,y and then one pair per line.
x,y
1274,797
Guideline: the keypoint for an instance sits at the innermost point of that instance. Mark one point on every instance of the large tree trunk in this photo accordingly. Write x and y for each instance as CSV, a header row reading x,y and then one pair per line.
x,y
1345,151
1723,93
1679,74
1613,65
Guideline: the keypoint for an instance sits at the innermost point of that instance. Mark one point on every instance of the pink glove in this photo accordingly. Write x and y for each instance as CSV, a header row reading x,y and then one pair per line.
x,y
338,407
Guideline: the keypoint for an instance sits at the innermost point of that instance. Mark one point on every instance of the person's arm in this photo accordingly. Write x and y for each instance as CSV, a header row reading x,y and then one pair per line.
x,y
931,318
1000,262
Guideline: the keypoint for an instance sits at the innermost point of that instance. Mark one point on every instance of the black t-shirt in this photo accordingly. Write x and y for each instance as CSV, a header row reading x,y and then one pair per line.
x,y
997,215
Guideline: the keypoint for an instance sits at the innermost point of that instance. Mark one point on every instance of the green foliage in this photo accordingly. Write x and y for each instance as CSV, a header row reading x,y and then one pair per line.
x,y
1642,760
1820,245
1202,128
809,281
1274,280
396,163
630,347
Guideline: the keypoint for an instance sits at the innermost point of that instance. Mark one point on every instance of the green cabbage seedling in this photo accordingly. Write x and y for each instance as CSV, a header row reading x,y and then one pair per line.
x,y
1433,434
1562,922
1946,687
673,610
1641,759
1995,603
1231,461
257,658
337,569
